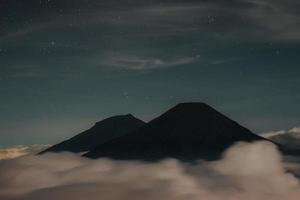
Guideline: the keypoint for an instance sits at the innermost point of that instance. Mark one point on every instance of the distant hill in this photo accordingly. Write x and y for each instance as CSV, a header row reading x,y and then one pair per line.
x,y
188,131
100,133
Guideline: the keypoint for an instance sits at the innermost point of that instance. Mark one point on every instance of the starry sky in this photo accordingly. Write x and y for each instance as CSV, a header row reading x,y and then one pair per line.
x,y
65,64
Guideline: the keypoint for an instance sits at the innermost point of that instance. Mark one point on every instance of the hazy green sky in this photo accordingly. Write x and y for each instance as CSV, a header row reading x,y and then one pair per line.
x,y
67,64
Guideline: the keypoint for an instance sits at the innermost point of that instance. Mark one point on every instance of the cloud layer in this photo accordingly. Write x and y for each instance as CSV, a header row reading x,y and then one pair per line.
x,y
286,137
247,172
21,150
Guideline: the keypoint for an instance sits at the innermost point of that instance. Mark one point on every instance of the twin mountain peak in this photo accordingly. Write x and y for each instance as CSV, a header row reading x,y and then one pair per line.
x,y
188,131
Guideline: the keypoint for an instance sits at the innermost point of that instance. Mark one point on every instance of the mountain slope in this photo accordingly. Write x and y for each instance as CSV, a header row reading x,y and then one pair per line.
x,y
101,132
188,131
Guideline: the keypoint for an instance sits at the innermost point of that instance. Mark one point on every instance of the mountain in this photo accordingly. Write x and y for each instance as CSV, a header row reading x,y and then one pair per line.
x,y
101,132
188,131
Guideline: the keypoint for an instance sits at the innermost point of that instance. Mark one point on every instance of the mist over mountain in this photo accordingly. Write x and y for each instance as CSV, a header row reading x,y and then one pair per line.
x,y
188,131
101,132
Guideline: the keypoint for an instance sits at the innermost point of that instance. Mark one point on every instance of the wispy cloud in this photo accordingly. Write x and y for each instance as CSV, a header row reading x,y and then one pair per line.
x,y
278,18
140,63
286,137
271,19
294,131
21,150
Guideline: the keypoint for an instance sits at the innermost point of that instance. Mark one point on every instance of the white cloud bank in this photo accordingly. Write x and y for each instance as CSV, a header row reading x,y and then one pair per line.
x,y
247,172
21,150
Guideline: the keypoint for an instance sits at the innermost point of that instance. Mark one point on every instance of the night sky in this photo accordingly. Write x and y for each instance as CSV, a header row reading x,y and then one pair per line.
x,y
65,64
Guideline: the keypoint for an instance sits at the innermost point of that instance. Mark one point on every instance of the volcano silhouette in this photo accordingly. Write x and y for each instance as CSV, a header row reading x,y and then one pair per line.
x,y
188,131
101,132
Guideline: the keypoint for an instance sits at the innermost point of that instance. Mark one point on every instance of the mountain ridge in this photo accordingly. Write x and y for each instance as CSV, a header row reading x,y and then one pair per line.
x,y
101,132
187,131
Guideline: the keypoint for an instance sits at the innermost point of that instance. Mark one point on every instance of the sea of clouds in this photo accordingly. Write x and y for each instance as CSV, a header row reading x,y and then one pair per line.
x,y
247,171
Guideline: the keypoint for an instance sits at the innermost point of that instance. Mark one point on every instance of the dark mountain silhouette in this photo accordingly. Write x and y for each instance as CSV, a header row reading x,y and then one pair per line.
x,y
101,132
189,131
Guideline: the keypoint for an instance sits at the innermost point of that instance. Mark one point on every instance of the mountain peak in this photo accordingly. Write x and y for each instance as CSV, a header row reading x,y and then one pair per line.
x,y
187,131
196,115
101,132
192,106
118,118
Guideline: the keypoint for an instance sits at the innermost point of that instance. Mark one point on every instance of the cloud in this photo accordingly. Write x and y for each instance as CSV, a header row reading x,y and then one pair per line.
x,y
286,137
247,172
21,150
268,19
140,63
277,18
294,132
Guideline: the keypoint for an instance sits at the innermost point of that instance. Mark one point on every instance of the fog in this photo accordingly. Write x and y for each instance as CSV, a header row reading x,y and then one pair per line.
x,y
247,171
